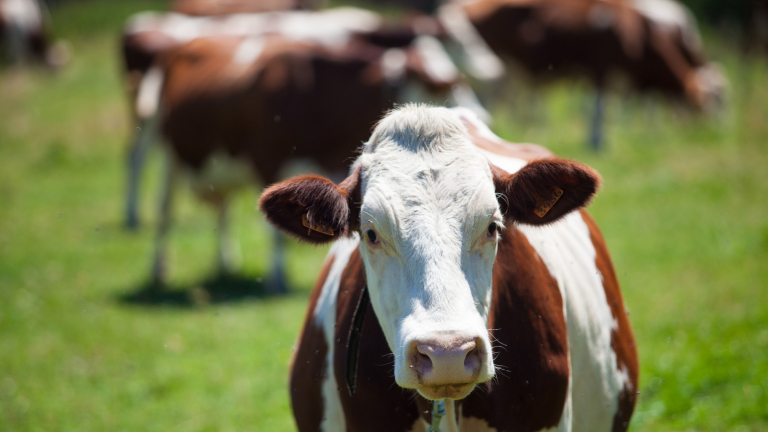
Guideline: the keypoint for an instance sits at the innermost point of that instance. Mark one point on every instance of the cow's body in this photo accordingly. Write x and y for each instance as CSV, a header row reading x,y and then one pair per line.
x,y
653,44
561,339
234,109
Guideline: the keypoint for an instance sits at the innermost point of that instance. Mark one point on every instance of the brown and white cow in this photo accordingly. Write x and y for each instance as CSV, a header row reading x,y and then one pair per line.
x,y
653,43
491,287
148,34
235,109
25,34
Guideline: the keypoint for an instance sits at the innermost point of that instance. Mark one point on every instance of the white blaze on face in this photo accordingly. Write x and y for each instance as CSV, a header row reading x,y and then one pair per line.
x,y
429,198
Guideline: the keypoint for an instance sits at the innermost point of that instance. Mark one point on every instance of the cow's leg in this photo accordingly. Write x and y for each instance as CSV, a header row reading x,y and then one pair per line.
x,y
164,220
146,133
276,283
596,126
15,44
227,251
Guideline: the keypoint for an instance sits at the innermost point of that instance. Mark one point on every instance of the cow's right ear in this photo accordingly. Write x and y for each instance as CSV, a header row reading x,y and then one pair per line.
x,y
313,208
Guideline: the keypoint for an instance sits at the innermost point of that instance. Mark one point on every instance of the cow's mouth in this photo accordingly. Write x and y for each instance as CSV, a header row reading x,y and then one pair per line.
x,y
447,391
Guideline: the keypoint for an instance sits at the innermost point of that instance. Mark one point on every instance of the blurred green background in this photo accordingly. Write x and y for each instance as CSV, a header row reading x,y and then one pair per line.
x,y
683,209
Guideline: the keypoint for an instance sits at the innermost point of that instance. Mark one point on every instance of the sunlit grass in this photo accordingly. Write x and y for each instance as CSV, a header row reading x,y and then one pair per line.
x,y
682,208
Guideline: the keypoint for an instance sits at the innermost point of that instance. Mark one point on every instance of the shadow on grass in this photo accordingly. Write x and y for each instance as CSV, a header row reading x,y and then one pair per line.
x,y
215,290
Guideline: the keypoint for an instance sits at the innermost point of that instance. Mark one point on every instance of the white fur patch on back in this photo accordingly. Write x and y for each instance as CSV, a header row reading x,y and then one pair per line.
x,y
331,27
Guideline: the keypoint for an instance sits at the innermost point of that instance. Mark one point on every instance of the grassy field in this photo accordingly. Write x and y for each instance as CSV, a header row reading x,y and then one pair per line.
x,y
683,209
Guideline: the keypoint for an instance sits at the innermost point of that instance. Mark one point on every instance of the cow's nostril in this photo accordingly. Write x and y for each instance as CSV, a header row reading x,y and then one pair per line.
x,y
424,360
473,359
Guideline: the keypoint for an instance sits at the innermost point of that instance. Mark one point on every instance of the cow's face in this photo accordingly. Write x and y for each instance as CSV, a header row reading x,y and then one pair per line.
x,y
429,224
429,209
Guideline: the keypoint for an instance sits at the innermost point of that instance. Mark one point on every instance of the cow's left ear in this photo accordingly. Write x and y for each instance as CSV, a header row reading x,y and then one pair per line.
x,y
544,190
313,208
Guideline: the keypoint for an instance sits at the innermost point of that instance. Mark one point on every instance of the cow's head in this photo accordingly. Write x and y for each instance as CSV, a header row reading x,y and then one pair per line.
x,y
429,210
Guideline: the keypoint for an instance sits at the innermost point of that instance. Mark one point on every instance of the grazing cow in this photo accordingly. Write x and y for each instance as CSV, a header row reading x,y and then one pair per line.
x,y
148,34
25,34
227,7
233,109
518,328
654,43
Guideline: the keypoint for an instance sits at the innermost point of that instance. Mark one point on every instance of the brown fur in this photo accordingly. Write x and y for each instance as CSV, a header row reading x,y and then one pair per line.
x,y
319,199
556,38
298,100
578,182
527,152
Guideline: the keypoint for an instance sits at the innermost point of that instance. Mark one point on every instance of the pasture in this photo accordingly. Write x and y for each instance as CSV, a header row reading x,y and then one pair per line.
x,y
683,209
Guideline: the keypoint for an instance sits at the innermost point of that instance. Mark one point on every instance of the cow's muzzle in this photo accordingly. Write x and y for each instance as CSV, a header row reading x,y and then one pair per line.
x,y
447,365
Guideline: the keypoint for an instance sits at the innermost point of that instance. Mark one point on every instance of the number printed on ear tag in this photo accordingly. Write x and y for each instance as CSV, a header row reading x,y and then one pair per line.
x,y
544,205
317,226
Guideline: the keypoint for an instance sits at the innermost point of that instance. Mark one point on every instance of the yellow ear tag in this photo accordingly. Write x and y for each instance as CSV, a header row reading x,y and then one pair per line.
x,y
544,205
317,226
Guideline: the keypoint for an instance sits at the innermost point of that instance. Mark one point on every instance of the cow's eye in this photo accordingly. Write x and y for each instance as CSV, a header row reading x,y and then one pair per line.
x,y
371,235
492,229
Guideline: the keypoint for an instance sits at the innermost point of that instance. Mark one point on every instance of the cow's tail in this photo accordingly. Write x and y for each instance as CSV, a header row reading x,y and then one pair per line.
x,y
148,95
479,60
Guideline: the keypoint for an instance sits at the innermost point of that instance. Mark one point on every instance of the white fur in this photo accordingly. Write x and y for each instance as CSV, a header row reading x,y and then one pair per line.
x,y
671,14
332,27
393,65
148,96
437,63
325,317
25,14
480,61
249,50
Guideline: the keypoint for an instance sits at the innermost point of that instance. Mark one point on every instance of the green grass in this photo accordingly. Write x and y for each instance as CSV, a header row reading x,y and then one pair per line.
x,y
682,208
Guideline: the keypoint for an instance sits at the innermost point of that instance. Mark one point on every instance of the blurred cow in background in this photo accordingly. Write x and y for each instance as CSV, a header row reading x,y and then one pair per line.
x,y
654,43
25,34
235,109
150,33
